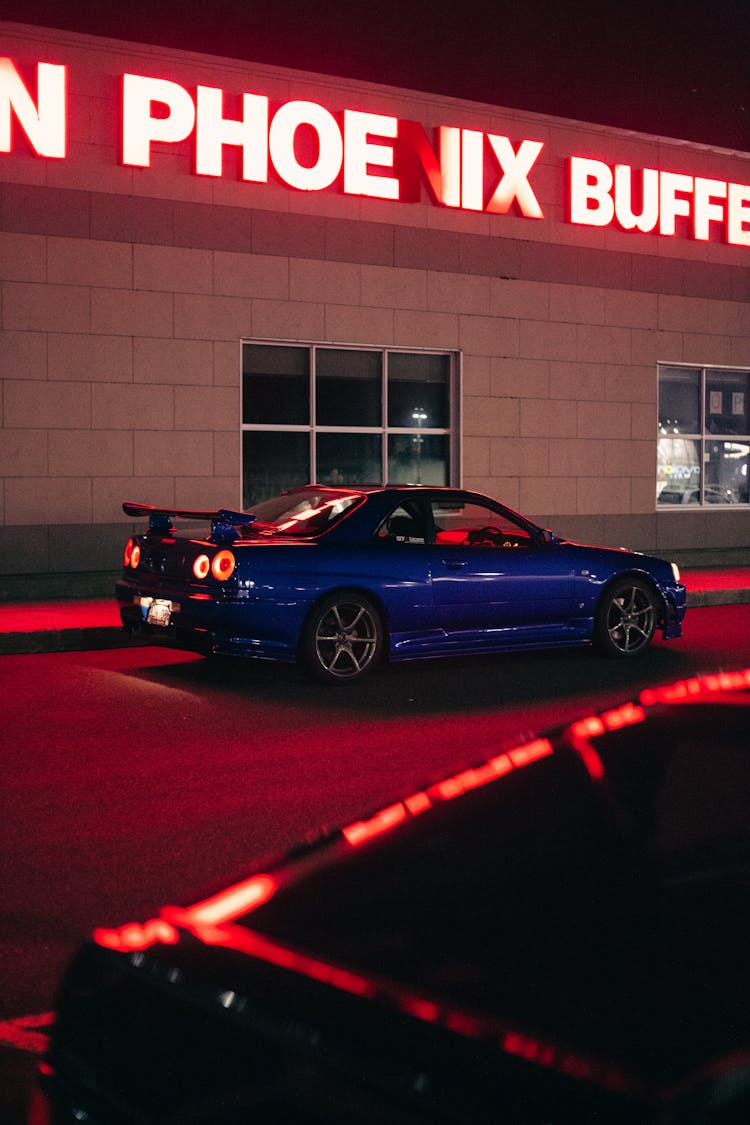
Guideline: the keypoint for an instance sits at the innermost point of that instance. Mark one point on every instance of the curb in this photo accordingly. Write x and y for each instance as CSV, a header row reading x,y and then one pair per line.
x,y
20,643
700,599
64,640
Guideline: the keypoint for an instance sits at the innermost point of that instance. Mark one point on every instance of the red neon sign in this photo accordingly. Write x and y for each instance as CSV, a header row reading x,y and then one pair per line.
x,y
600,196
44,120
309,148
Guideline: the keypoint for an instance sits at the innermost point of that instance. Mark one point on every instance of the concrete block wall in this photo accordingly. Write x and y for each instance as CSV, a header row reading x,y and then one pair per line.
x,y
124,298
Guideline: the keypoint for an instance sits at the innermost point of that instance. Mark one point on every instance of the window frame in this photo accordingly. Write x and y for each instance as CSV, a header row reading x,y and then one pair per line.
x,y
384,430
702,436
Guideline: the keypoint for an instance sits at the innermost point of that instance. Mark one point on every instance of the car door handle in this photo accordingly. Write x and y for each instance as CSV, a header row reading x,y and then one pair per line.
x,y
454,564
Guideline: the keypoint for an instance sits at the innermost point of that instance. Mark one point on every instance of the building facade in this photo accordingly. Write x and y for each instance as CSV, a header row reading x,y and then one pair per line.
x,y
220,279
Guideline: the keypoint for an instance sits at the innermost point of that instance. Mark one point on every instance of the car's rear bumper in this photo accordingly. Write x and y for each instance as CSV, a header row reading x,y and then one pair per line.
x,y
206,626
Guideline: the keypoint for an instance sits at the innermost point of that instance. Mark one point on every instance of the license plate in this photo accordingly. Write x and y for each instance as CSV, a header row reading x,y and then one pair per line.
x,y
159,613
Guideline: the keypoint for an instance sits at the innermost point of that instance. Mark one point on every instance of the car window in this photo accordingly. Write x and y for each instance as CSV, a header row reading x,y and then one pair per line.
x,y
405,524
305,512
470,524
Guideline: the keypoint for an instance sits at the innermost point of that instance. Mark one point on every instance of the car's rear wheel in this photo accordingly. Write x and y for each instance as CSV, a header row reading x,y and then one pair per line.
x,y
343,639
626,618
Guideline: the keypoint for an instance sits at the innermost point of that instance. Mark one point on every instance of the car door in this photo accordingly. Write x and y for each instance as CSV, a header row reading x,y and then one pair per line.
x,y
491,571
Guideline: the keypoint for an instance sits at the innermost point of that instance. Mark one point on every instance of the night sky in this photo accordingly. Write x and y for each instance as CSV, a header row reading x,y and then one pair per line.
x,y
674,69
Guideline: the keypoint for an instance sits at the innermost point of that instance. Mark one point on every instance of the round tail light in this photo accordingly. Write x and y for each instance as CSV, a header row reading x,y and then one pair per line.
x,y
201,567
135,555
128,553
223,565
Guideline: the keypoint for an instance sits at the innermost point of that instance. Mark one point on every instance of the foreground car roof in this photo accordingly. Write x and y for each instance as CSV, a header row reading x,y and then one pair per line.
x,y
579,903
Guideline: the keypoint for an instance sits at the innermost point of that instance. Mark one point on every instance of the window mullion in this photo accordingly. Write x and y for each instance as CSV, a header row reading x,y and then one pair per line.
x,y
313,415
384,419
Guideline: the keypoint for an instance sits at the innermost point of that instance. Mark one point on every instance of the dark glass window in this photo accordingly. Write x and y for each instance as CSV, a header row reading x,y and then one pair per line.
x,y
348,458
313,413
703,449
727,402
418,459
418,390
348,387
679,400
271,462
275,385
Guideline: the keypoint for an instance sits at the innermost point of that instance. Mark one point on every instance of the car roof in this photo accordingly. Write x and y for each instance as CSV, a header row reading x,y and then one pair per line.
x,y
583,906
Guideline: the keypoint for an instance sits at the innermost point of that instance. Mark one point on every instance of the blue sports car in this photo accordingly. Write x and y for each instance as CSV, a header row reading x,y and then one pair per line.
x,y
341,577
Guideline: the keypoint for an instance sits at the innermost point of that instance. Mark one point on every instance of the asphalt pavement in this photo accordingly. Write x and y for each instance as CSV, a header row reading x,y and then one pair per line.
x,y
80,624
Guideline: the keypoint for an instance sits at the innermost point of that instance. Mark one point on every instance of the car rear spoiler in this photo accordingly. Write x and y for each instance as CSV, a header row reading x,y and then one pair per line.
x,y
224,522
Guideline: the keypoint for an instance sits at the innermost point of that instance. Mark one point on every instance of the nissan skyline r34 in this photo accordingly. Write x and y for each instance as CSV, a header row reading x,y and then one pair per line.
x,y
340,578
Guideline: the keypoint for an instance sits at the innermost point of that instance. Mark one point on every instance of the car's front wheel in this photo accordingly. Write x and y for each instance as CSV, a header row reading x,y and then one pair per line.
x,y
343,639
626,618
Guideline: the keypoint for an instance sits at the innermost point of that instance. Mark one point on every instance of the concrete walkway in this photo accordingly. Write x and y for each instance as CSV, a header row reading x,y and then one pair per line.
x,y
78,623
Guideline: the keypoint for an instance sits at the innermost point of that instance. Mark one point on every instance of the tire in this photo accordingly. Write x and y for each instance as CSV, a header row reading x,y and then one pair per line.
x,y
343,638
626,618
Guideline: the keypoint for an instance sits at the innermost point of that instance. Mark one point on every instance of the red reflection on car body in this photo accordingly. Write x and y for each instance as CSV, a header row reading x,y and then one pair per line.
x,y
214,911
686,690
231,903
446,790
580,733
362,830
274,953
133,936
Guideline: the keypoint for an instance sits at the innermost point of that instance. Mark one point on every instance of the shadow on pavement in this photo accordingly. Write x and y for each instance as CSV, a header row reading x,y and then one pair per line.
x,y
447,686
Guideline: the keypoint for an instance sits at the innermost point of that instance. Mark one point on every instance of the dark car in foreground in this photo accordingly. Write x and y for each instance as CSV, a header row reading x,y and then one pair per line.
x,y
556,934
341,577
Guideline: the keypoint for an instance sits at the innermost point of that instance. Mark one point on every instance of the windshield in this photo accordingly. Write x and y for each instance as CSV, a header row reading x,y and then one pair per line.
x,y
303,512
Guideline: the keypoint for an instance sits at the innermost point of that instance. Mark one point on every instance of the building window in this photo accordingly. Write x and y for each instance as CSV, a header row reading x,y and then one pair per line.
x,y
334,415
704,436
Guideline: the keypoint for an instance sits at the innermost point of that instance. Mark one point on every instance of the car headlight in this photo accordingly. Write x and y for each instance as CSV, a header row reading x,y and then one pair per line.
x,y
675,571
